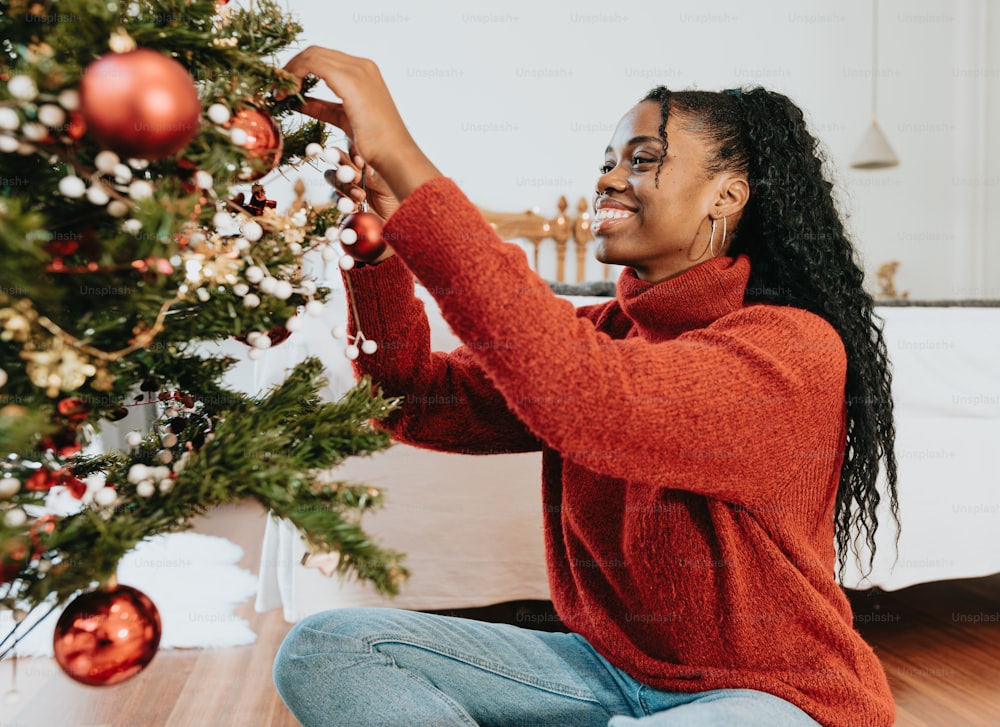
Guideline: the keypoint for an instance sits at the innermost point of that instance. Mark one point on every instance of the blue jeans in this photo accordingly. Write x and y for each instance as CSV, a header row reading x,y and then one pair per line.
x,y
381,667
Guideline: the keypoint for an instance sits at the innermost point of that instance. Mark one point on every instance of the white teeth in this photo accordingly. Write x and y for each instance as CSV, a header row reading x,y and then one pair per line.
x,y
610,213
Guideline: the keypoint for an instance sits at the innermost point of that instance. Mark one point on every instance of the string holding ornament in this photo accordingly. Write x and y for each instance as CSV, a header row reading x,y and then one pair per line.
x,y
360,236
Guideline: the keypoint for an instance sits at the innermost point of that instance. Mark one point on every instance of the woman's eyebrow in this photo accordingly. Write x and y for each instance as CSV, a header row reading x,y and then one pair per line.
x,y
638,140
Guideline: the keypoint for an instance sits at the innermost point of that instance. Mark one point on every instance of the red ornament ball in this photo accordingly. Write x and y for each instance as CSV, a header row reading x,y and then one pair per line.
x,y
367,239
141,104
107,636
264,142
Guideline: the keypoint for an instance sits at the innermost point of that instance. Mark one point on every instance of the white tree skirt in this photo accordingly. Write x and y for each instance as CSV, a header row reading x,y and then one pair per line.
x,y
193,579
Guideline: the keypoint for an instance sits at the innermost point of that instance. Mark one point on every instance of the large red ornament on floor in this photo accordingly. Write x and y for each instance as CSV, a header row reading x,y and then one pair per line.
x,y
107,636
141,104
264,142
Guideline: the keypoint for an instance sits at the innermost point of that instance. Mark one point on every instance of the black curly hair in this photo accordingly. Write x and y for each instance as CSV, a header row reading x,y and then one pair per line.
x,y
801,256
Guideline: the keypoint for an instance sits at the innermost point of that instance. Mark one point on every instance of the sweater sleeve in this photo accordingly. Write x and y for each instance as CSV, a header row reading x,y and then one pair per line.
x,y
449,403
710,411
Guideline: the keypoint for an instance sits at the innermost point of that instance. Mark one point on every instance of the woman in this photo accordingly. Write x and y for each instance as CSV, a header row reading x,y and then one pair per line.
x,y
735,409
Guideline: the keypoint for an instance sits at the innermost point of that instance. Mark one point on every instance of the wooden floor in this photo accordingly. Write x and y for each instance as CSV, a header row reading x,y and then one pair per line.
x,y
939,642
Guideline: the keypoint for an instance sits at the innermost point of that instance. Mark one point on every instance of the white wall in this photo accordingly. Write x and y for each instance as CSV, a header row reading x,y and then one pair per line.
x,y
517,101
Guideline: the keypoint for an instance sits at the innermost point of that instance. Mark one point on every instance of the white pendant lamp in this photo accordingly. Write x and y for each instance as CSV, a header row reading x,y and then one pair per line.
x,y
874,151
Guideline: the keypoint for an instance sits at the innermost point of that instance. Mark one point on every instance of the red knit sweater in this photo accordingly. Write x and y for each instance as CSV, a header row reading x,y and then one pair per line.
x,y
691,445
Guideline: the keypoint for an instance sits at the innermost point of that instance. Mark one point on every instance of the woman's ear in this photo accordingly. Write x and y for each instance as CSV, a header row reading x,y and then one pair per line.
x,y
734,193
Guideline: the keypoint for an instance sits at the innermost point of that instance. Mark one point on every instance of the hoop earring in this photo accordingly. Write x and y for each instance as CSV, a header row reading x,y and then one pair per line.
x,y
711,240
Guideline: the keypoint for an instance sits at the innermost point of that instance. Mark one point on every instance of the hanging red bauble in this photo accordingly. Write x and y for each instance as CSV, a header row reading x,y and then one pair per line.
x,y
76,127
361,237
74,409
263,142
62,441
141,104
107,636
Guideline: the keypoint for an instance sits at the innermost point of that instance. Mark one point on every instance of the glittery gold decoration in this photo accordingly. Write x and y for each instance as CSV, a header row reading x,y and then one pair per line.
x,y
121,42
103,380
56,369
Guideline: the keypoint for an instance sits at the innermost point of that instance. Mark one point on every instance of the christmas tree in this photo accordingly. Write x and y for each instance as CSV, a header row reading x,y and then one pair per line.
x,y
126,131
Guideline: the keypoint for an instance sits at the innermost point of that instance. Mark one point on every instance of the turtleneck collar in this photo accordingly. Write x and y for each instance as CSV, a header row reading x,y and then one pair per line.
x,y
693,299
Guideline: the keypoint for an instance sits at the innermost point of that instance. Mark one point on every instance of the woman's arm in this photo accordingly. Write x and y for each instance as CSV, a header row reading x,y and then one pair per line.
x,y
449,403
752,399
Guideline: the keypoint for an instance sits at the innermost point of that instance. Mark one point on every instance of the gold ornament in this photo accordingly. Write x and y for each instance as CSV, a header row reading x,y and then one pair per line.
x,y
15,327
56,369
103,380
121,42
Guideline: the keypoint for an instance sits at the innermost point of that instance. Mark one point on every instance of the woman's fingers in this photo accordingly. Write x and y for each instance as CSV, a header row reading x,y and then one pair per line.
x,y
368,115
352,188
329,111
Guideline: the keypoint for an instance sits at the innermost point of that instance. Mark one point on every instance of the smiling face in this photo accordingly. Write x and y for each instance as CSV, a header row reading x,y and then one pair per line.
x,y
661,227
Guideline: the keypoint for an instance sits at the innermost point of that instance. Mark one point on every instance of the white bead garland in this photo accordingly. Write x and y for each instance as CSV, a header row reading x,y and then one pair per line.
x,y
140,189
137,473
72,187
282,290
106,161
117,208
69,99
51,115
123,173
9,486
252,231
106,496
15,518
203,180
97,195
9,119
33,131
218,114
22,88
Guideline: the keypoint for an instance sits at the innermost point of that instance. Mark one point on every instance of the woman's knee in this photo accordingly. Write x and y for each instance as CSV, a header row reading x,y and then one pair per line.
x,y
323,642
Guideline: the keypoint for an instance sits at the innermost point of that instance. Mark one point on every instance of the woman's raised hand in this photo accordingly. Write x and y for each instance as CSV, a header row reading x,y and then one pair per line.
x,y
367,114
376,192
